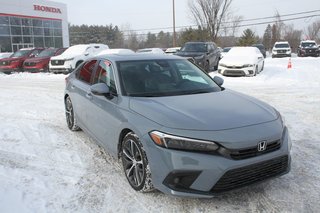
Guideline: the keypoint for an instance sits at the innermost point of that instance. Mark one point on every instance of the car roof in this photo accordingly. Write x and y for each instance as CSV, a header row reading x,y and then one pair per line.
x,y
307,41
137,57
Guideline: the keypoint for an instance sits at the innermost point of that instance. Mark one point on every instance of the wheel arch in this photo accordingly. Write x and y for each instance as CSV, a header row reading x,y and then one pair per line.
x,y
123,133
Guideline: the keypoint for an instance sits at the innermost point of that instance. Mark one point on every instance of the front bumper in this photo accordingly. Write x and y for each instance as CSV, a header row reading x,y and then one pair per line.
x,y
192,174
60,70
247,71
9,69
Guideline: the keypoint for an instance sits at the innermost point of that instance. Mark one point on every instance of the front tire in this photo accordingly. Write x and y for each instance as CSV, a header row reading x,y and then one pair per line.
x,y
70,118
135,164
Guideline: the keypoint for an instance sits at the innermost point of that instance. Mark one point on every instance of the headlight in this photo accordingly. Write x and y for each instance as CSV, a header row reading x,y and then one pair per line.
x,y
274,51
176,142
288,51
68,59
223,65
248,65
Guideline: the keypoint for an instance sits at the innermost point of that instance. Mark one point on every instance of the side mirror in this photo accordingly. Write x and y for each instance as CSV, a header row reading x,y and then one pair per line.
x,y
218,80
101,89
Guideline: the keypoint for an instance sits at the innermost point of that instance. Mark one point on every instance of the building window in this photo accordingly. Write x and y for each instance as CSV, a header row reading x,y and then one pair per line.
x,y
4,30
4,20
5,44
16,30
15,21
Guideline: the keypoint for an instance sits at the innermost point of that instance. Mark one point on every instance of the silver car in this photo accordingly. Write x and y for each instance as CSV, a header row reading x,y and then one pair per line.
x,y
173,127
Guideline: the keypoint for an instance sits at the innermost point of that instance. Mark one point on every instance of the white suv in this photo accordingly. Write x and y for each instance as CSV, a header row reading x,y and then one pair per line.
x,y
281,49
74,56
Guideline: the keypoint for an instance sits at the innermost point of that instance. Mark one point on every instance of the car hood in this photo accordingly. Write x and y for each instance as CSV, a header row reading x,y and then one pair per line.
x,y
12,59
190,54
237,60
64,56
37,59
209,112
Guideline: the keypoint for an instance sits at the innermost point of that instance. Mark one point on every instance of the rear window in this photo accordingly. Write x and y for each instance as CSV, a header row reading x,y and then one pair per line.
x,y
85,72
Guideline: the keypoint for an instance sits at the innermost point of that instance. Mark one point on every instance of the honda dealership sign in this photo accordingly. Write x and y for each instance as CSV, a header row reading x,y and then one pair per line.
x,y
46,9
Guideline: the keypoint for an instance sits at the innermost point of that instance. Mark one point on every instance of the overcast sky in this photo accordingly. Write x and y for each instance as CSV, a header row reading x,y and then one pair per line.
x,y
149,14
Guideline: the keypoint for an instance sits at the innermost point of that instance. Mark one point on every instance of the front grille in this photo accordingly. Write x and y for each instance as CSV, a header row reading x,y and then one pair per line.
x,y
29,64
251,174
235,67
234,72
281,51
57,62
253,151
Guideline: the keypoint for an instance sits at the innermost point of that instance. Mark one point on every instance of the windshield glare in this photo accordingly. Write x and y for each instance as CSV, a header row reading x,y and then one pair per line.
x,y
194,48
155,78
20,53
47,52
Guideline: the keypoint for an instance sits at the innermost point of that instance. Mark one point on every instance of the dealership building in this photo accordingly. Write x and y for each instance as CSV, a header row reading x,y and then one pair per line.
x,y
32,23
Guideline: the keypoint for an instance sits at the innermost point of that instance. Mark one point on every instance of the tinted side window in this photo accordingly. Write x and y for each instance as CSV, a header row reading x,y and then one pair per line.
x,y
104,74
86,71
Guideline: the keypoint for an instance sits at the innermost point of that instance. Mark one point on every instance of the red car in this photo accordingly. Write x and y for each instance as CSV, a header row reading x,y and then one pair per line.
x,y
15,62
40,63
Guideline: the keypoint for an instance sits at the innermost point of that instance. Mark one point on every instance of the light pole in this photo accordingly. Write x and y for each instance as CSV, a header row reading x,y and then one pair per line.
x,y
174,24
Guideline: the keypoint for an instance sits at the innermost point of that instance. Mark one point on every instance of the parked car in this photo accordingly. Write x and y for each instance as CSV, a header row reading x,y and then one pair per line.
x,y
261,48
172,50
174,127
74,56
151,50
205,54
5,55
225,51
115,51
15,62
281,49
242,61
40,63
308,48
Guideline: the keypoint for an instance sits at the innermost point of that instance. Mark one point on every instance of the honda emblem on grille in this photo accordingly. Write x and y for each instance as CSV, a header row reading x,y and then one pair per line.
x,y
262,146
56,62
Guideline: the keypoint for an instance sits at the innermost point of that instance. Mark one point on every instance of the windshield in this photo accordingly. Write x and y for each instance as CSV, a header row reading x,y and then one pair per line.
x,y
282,46
308,44
20,53
47,52
194,47
156,78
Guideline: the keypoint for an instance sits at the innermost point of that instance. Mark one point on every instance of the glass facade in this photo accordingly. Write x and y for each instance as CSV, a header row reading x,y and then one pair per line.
x,y
19,32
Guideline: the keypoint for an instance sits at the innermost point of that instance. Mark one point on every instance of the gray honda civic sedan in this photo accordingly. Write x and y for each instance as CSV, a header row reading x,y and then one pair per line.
x,y
173,127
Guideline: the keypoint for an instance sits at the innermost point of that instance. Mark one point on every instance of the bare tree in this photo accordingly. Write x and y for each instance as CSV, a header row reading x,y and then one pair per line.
x,y
209,14
314,31
292,36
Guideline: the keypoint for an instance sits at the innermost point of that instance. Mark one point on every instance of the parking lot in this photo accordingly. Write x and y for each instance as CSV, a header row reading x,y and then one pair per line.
x,y
44,167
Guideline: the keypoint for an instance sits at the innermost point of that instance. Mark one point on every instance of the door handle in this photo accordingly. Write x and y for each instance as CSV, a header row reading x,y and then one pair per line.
x,y
72,86
89,95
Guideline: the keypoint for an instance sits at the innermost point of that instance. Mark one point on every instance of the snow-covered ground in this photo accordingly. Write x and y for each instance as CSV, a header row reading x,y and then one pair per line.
x,y
44,167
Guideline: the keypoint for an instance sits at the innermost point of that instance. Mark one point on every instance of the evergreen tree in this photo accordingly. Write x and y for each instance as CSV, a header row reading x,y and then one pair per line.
x,y
248,38
267,36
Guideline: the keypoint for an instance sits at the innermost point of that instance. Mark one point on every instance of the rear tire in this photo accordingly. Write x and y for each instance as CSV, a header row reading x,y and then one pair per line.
x,y
70,118
135,164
